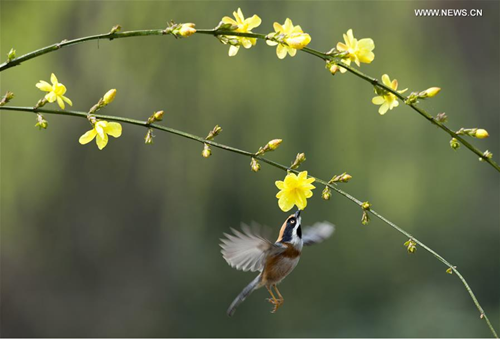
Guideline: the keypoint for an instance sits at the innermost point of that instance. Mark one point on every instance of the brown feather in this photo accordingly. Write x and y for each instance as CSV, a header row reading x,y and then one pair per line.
x,y
282,230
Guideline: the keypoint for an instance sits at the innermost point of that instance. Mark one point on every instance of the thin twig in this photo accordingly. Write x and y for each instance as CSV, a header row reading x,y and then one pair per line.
x,y
138,33
272,163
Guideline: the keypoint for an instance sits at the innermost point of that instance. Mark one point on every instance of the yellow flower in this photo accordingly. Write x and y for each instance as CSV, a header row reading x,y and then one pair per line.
x,y
295,190
386,99
101,131
56,91
244,26
292,36
357,50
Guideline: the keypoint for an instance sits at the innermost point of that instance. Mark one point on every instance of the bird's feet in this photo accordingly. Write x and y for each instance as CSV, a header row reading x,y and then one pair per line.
x,y
276,302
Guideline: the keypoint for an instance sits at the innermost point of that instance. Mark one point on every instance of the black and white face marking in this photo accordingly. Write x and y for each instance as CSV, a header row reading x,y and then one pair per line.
x,y
292,232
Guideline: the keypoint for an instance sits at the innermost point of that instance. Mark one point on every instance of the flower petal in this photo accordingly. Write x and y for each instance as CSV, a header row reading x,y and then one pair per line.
x,y
278,28
101,142
53,79
60,102
378,100
253,22
301,200
114,129
386,80
383,109
233,50
285,204
87,137
367,44
291,51
51,97
44,86
247,43
342,47
271,43
366,57
281,51
288,26
99,128
302,175
67,100
228,20
291,180
280,184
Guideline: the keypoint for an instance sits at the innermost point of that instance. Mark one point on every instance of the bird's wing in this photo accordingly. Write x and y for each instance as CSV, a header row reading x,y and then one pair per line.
x,y
246,250
317,233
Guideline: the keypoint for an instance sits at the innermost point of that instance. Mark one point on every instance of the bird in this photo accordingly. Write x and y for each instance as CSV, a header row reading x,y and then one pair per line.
x,y
250,250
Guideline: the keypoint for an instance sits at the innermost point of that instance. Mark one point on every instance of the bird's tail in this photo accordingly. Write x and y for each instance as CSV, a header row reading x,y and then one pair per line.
x,y
243,295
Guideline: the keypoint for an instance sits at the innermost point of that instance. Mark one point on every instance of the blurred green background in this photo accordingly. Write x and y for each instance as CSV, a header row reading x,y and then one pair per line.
x,y
124,242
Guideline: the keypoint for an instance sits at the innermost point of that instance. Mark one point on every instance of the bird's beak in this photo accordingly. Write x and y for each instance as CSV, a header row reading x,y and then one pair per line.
x,y
297,214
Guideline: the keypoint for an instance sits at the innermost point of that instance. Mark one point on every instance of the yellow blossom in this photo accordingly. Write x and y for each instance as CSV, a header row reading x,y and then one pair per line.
x,y
56,91
101,131
294,190
243,26
357,50
387,100
293,38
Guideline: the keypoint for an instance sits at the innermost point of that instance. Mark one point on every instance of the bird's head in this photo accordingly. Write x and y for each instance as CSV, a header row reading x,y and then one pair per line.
x,y
290,231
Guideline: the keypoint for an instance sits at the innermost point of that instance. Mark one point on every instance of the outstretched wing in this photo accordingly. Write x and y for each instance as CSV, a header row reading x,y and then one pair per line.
x,y
246,250
317,233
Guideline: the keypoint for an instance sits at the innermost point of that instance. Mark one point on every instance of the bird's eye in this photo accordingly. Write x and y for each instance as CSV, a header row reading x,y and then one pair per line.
x,y
292,221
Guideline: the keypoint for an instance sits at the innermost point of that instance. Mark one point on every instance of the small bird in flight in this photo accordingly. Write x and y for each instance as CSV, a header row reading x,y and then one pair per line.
x,y
251,251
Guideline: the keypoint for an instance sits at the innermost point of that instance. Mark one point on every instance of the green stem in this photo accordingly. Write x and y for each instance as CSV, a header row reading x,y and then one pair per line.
x,y
321,55
270,162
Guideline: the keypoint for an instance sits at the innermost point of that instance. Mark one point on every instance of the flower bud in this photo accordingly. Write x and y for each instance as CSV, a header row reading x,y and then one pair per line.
x,y
6,98
41,122
274,144
115,29
454,144
299,159
254,164
334,69
206,151
345,177
148,140
366,205
11,55
411,246
486,154
270,146
441,117
158,115
187,30
298,40
41,103
214,132
109,96
431,92
481,134
327,193
365,218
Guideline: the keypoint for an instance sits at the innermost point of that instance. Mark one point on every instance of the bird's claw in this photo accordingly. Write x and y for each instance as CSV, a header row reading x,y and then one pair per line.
x,y
276,302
